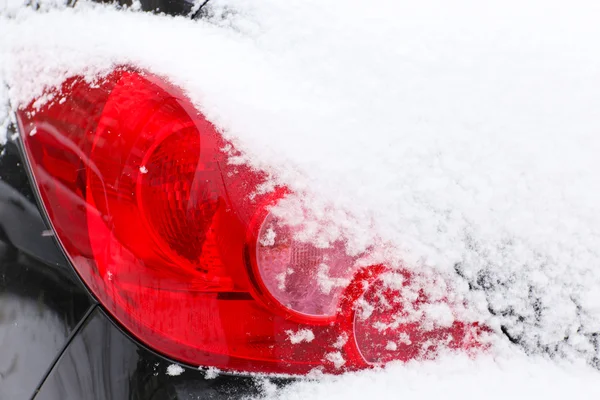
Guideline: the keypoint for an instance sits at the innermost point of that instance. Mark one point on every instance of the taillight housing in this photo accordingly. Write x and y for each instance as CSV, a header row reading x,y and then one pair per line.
x,y
180,247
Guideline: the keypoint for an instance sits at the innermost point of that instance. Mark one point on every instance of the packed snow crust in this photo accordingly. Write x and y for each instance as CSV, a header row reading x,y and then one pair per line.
x,y
455,139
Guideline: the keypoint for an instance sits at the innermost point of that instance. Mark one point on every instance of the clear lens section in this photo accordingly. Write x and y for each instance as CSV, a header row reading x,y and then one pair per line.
x,y
299,275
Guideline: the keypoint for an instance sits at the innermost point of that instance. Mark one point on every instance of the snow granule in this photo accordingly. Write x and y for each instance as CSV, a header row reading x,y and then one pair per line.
x,y
280,278
303,335
391,346
404,338
341,341
143,169
336,358
326,282
364,309
454,378
268,239
211,373
174,370
439,313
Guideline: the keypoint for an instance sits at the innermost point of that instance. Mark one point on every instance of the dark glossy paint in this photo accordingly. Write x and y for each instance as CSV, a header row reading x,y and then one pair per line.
x,y
102,362
41,299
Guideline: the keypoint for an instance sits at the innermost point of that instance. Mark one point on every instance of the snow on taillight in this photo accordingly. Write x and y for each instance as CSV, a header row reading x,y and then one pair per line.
x,y
182,249
304,278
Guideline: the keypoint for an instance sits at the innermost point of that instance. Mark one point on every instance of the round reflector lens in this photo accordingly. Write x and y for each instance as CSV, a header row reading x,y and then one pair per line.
x,y
301,276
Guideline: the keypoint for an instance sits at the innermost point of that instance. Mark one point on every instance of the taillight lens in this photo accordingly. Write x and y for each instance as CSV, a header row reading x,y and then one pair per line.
x,y
180,247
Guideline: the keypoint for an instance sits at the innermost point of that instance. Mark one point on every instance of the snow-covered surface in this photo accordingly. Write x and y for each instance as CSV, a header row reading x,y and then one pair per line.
x,y
458,138
452,378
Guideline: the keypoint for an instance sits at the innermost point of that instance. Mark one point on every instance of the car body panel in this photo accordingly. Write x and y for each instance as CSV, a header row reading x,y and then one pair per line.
x,y
41,299
102,360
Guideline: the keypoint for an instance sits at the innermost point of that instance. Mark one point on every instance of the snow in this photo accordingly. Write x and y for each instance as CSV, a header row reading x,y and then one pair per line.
x,y
458,140
326,282
341,341
336,358
452,378
174,370
303,335
268,239
211,373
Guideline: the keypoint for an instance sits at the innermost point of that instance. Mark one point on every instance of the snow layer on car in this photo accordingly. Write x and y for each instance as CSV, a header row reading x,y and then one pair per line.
x,y
4,111
455,137
452,378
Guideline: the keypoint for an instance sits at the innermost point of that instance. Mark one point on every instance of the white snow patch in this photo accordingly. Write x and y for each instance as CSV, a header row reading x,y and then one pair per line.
x,y
327,282
341,341
174,370
455,377
211,373
302,335
364,309
391,346
281,279
404,338
336,358
268,238
440,314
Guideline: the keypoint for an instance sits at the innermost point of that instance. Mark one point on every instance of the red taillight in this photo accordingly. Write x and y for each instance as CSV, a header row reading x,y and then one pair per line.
x,y
179,246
